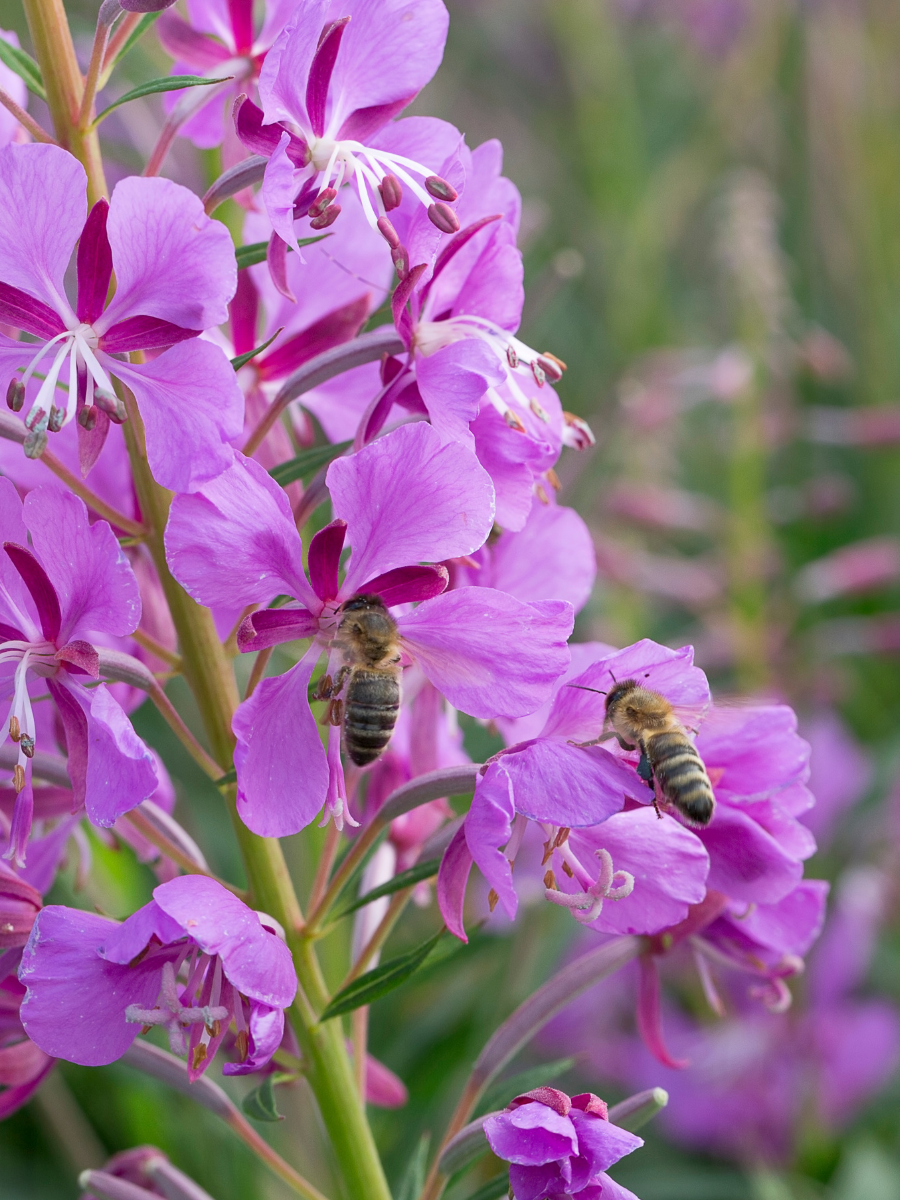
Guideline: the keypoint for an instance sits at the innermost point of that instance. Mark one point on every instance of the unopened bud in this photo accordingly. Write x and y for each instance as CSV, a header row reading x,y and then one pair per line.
x,y
26,745
441,189
15,394
55,421
512,357
391,192
328,217
388,232
552,367
443,217
18,777
87,418
110,403
321,202
15,729
400,259
35,444
538,372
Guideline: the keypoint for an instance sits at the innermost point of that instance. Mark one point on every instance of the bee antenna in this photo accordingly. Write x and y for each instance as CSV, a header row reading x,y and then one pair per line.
x,y
582,688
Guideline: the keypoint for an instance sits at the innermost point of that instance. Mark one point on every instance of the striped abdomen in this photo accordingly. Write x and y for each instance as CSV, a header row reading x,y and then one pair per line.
x,y
681,775
371,705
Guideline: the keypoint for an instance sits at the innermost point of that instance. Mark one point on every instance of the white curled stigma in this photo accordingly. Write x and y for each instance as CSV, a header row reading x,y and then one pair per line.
x,y
587,906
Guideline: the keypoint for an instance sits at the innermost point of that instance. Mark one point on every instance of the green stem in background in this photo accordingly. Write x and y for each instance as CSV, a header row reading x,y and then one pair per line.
x,y
55,53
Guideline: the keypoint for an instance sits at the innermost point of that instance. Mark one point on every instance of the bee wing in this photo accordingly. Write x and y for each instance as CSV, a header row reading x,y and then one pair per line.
x,y
692,716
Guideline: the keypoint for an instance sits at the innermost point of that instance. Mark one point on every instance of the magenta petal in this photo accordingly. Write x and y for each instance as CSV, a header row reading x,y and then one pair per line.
x,y
42,212
171,260
282,81
82,656
451,883
94,264
189,400
143,333
531,1135
24,312
568,785
43,593
76,1001
96,586
126,941
552,558
234,542
383,1088
17,613
649,1015
257,962
272,626
280,760
279,191
490,654
324,558
408,585
488,827
320,73
746,863
266,1029
184,43
601,1142
436,502
452,383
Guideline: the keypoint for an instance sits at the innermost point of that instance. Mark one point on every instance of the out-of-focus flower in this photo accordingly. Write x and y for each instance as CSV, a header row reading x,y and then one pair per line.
x,y
328,86
14,86
92,983
875,426
235,543
175,273
664,508
144,1168
73,581
859,567
559,1146
841,772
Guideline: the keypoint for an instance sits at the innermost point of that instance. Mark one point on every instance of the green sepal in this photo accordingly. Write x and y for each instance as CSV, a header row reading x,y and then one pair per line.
x,y
241,359
260,1103
414,1176
255,252
405,879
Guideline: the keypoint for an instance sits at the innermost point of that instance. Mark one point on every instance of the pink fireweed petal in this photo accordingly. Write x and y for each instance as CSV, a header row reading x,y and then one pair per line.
x,y
488,827
436,502
324,559
256,961
754,751
452,382
451,884
280,184
192,409
126,941
408,585
568,785
490,654
43,206
282,81
668,862
512,460
43,593
171,260
234,541
266,1029
746,862
531,1135
96,586
281,765
383,1088
94,264
17,611
272,626
75,1004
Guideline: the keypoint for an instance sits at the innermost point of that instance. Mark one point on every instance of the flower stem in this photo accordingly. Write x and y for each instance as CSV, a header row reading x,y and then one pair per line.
x,y
98,50
92,500
55,53
25,120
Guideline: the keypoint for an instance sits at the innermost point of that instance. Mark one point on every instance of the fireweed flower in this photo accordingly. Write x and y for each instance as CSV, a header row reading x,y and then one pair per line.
x,y
14,86
175,272
74,580
337,74
192,960
236,544
559,1146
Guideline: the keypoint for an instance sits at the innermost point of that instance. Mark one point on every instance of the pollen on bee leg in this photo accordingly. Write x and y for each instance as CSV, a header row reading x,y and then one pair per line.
x,y
493,899
324,688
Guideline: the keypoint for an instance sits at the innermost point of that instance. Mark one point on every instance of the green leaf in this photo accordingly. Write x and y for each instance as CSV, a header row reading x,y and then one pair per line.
x,y
238,362
405,879
377,983
170,83
260,1103
501,1093
498,1186
307,463
228,777
255,252
136,34
24,66
414,1176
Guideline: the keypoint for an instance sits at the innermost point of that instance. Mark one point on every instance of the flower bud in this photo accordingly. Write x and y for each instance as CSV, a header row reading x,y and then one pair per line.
x,y
391,192
328,217
441,189
15,394
443,218
19,905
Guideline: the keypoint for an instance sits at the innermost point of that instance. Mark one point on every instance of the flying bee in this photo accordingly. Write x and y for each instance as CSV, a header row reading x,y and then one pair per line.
x,y
640,718
368,636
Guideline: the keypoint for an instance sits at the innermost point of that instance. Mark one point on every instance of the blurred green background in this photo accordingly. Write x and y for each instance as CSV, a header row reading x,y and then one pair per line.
x,y
711,230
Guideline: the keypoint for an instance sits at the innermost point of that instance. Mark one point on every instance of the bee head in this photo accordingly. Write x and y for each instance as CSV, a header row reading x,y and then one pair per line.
x,y
618,692
362,603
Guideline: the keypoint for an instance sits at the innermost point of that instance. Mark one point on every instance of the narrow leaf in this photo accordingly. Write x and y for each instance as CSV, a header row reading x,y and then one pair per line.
x,y
507,1089
307,463
241,359
136,34
170,83
498,1186
260,1103
637,1110
228,777
24,66
405,879
255,252
377,983
414,1176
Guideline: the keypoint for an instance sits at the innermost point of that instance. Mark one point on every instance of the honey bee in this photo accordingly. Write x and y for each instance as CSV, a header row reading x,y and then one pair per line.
x,y
368,713
640,718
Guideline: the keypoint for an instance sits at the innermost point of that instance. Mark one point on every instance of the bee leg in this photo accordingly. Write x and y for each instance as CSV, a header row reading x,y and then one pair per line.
x,y
625,745
604,737
339,680
644,770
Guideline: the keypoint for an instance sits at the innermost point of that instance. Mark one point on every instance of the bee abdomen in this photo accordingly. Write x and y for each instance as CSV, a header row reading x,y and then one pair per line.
x,y
370,714
681,775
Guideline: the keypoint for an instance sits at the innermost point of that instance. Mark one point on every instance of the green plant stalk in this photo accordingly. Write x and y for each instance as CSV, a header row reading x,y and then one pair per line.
x,y
55,53
209,674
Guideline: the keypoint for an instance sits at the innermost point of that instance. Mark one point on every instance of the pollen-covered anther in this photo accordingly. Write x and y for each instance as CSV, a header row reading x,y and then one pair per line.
x,y
514,421
26,745
18,777
35,443
512,357
242,1044
540,376
550,881
391,191
552,366
87,418
443,217
15,394
541,493
110,403
56,419
388,232
322,201
328,217
400,259
539,411
15,729
35,418
441,189
577,434
553,479
567,870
